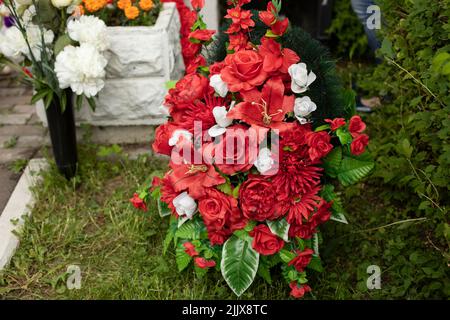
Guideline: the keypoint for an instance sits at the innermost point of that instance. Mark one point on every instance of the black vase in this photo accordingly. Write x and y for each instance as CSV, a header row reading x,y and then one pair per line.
x,y
61,126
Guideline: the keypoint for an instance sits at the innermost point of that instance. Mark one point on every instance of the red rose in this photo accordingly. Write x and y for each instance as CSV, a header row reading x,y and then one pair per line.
x,y
243,70
162,135
198,4
138,203
336,123
190,249
264,241
319,145
257,199
299,291
303,231
301,261
202,35
322,215
203,263
235,151
190,88
356,125
359,144
216,68
216,207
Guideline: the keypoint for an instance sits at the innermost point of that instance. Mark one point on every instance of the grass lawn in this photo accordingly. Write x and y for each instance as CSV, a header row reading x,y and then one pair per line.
x,y
90,223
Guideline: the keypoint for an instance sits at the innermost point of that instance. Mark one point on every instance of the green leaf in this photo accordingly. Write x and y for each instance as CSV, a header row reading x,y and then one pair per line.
x,y
344,136
353,169
264,272
286,255
404,148
171,84
322,128
62,42
338,212
191,230
163,209
39,96
170,233
315,264
225,188
332,162
280,228
182,258
239,264
92,103
315,243
79,101
386,48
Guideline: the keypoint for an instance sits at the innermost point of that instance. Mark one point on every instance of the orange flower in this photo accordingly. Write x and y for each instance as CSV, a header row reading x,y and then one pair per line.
x,y
132,12
123,4
94,5
146,5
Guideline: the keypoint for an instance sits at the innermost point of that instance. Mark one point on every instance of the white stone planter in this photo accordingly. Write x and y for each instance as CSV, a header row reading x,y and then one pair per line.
x,y
141,61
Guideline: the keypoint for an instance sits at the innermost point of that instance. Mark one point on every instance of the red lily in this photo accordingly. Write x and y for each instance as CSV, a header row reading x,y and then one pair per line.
x,y
275,58
266,108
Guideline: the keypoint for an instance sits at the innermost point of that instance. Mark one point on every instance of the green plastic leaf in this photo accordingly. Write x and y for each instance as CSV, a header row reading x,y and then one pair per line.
x,y
332,162
264,272
239,264
353,169
62,42
344,136
190,230
280,228
286,255
163,209
171,84
322,128
315,264
170,233
225,188
337,209
315,243
182,258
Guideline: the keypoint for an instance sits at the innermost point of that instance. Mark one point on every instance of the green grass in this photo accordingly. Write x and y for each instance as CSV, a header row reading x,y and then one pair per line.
x,y
90,223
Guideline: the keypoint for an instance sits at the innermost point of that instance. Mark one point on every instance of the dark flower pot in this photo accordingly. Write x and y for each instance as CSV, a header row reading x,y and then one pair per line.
x,y
61,126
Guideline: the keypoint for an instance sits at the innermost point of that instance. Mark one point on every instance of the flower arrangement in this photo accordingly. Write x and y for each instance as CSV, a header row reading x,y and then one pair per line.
x,y
252,170
55,51
122,12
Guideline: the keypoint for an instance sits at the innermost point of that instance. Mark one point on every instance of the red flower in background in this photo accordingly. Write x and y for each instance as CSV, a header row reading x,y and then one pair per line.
x,y
243,70
190,249
275,58
198,4
202,35
356,125
238,41
301,261
203,263
138,203
320,146
298,291
336,123
241,20
239,2
279,28
269,16
264,241
359,144
197,62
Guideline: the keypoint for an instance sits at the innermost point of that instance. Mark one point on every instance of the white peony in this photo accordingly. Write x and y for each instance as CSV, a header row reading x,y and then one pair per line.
x,y
184,205
61,3
89,29
220,114
219,85
14,46
82,69
180,134
303,107
264,162
301,80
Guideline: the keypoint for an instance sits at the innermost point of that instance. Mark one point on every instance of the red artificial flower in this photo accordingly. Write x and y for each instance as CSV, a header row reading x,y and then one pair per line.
x,y
293,135
190,50
264,241
195,63
257,198
194,178
190,88
138,203
198,4
359,144
238,41
202,35
216,68
280,27
320,146
236,150
203,263
238,2
162,135
168,193
356,125
268,18
336,123
303,231
322,215
276,59
241,20
190,249
300,206
298,291
27,72
265,109
243,70
301,261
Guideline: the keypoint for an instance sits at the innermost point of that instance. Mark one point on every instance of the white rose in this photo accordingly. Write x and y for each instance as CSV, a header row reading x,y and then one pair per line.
x,y
184,205
301,80
82,69
89,29
61,3
264,161
303,107
220,115
177,134
219,85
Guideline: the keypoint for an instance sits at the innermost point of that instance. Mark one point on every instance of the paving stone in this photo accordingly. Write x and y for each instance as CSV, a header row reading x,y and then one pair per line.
x,y
13,154
22,130
14,99
30,141
9,181
24,109
14,118
3,140
34,119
